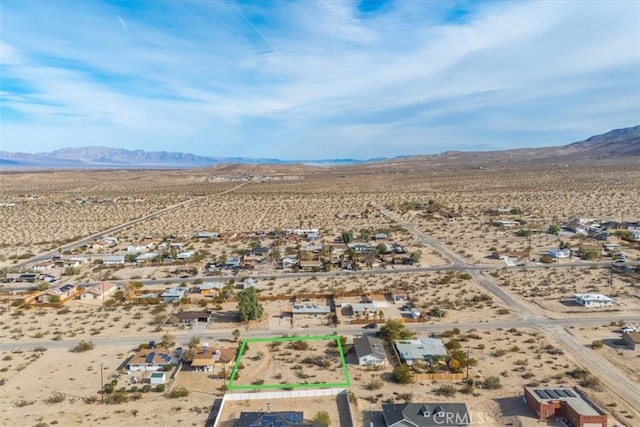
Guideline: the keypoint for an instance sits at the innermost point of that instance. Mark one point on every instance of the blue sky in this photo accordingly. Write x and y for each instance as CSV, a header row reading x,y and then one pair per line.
x,y
315,79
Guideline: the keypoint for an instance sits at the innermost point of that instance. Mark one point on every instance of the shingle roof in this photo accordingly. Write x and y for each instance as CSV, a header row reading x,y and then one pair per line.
x,y
367,345
426,414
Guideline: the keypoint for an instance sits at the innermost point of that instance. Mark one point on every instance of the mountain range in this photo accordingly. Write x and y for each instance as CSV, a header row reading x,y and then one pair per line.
x,y
616,145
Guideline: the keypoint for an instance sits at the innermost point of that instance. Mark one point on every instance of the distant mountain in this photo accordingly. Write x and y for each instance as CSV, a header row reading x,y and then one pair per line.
x,y
616,145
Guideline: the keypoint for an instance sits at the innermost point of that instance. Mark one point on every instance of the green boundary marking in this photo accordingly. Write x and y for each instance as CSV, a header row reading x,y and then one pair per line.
x,y
336,338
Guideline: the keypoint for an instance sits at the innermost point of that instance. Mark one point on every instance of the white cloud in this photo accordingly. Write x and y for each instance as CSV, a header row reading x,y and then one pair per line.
x,y
318,76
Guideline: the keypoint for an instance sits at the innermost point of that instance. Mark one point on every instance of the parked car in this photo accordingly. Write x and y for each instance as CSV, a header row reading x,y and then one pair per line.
x,y
628,329
370,326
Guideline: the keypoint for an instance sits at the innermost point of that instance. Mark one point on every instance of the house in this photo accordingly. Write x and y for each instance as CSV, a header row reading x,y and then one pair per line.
x,y
593,300
67,262
209,357
631,340
207,235
174,294
110,241
364,308
370,351
548,402
635,235
399,296
149,256
186,255
260,252
99,291
289,262
190,317
136,248
113,260
63,292
311,309
380,236
209,288
274,419
312,237
158,378
249,283
559,253
514,256
232,263
47,278
150,360
506,223
427,349
44,265
426,414
312,263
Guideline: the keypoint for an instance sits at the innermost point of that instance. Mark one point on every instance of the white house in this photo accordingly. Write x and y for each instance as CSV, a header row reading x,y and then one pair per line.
x,y
507,223
174,294
113,260
207,235
150,360
559,253
593,300
186,254
136,248
370,351
635,235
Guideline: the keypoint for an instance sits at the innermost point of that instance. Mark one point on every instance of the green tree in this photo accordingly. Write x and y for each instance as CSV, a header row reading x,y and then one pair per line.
x,y
323,418
402,374
394,330
194,342
249,306
236,335
347,237
365,234
554,229
415,256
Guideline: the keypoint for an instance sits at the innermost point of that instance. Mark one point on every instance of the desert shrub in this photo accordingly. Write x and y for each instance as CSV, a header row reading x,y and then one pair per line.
x,y
374,385
597,344
446,390
159,388
402,374
322,417
492,383
116,398
83,346
178,392
56,397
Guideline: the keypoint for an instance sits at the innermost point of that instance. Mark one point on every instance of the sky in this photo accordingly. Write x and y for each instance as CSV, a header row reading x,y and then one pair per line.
x,y
314,79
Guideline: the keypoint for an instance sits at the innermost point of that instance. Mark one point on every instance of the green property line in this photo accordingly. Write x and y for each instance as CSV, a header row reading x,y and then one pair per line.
x,y
243,346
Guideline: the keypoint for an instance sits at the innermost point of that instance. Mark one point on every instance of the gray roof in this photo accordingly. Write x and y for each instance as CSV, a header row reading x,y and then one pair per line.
x,y
309,309
369,346
426,414
425,348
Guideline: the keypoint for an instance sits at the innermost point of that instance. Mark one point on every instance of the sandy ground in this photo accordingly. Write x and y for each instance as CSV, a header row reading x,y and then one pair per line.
x,y
56,207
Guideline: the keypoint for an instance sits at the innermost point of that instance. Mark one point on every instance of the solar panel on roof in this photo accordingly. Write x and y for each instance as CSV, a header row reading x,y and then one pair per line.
x,y
570,393
552,393
542,394
150,357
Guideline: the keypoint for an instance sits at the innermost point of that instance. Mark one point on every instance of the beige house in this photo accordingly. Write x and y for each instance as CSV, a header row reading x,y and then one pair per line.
x,y
99,291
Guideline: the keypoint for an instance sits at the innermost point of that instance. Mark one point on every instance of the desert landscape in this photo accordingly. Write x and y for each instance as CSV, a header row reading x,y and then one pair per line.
x,y
66,215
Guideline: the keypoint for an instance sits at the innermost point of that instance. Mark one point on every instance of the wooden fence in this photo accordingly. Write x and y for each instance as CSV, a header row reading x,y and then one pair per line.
x,y
438,377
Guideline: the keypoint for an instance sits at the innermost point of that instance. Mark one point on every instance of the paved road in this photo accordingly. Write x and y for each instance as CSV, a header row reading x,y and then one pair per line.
x,y
422,328
614,380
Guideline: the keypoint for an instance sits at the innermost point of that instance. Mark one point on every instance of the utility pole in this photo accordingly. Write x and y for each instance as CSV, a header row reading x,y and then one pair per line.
x,y
468,351
102,383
